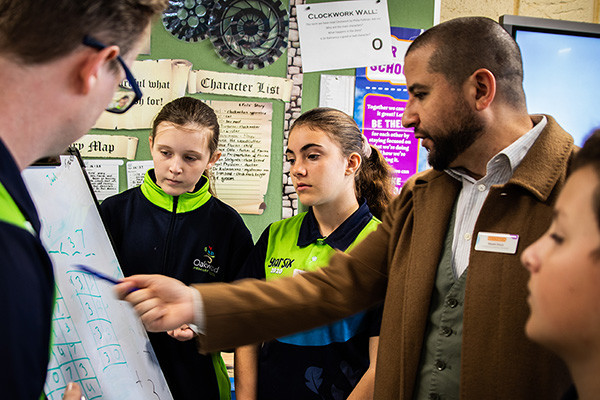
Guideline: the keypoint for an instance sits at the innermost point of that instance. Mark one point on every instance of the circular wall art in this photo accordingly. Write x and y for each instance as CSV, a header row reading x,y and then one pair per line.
x,y
249,34
188,19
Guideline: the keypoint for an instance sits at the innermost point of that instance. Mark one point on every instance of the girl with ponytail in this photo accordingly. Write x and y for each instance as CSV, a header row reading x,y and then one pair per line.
x,y
346,184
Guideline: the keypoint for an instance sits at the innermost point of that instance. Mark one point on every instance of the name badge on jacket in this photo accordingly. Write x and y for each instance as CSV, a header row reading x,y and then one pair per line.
x,y
497,242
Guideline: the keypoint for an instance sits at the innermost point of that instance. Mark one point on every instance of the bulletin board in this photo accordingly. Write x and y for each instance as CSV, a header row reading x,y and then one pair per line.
x,y
405,13
203,56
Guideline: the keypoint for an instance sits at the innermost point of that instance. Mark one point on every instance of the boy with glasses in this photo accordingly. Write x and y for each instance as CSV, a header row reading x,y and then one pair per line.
x,y
57,74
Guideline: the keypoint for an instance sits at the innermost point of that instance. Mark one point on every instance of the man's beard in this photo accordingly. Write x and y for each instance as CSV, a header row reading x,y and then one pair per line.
x,y
447,146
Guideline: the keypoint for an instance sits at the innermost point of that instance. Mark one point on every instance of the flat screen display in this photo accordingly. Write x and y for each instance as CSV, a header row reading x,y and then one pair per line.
x,y
561,65
562,78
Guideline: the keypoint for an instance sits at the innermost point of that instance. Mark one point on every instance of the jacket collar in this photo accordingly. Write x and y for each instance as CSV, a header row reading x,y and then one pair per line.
x,y
11,179
343,236
553,148
185,202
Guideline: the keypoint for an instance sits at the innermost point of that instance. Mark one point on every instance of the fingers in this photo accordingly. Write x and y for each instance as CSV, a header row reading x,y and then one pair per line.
x,y
73,392
129,285
183,333
162,303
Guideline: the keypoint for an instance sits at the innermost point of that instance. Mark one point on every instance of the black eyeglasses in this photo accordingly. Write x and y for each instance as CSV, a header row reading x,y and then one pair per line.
x,y
128,92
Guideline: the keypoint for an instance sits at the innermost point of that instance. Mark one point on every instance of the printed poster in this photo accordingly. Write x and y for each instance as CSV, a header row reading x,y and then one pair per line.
x,y
343,34
380,98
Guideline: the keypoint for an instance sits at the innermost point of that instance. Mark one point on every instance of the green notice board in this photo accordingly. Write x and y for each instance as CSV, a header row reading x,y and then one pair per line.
x,y
405,13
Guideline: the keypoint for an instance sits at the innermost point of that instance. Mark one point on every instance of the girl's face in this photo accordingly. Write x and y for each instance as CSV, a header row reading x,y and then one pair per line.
x,y
320,173
181,155
564,284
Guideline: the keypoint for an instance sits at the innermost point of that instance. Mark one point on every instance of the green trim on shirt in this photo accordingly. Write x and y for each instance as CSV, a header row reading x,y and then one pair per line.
x,y
284,257
222,376
10,212
186,202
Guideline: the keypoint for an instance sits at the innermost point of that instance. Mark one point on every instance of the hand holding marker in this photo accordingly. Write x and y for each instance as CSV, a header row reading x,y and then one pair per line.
x,y
99,274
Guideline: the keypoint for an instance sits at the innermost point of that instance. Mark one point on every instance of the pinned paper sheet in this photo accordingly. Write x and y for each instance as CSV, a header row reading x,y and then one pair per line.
x,y
104,177
136,171
337,91
109,146
343,34
242,172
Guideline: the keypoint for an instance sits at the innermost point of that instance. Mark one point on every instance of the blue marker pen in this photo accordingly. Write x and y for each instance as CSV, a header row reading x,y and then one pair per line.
x,y
97,274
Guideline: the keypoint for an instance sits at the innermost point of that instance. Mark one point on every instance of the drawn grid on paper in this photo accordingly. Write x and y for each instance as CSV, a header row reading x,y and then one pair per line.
x,y
74,365
68,359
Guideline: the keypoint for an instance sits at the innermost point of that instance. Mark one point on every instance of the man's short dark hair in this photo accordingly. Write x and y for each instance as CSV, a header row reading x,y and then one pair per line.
x,y
464,45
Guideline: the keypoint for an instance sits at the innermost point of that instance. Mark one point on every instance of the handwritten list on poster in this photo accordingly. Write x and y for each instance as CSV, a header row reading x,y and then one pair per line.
x,y
242,172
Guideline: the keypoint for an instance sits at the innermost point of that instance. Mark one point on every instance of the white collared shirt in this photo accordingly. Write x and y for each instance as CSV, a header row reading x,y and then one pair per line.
x,y
474,192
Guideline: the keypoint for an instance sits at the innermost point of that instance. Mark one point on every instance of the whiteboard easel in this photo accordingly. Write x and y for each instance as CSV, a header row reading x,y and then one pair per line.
x,y
97,340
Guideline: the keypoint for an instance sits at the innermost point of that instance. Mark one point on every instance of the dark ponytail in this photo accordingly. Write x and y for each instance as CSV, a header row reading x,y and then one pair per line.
x,y
374,178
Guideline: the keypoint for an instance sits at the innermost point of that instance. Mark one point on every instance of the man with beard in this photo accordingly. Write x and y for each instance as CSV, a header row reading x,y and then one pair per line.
x,y
445,260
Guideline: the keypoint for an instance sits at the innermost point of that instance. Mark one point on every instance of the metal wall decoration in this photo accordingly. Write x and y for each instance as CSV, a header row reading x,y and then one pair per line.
x,y
188,19
249,34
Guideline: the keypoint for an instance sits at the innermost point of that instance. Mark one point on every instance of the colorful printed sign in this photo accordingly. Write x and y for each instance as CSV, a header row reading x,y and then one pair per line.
x,y
380,99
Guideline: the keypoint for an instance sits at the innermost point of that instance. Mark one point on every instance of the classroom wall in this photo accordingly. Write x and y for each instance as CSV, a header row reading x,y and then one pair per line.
x,y
405,13
573,10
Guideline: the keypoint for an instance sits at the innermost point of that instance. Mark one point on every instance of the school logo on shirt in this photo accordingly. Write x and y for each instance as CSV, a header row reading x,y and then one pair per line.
x,y
277,265
205,264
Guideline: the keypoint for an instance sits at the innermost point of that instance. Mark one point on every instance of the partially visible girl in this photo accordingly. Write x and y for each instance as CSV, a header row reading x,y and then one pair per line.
x,y
564,286
173,225
346,184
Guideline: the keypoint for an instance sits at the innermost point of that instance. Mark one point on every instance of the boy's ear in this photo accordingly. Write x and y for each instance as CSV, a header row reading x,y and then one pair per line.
x,y
91,66
150,141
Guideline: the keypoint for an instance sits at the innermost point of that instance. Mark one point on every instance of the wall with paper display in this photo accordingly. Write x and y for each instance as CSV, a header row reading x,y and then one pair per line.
x,y
203,57
410,13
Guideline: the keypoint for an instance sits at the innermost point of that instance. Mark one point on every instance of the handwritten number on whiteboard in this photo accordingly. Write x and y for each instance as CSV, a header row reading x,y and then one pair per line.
x,y
89,308
78,279
83,368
